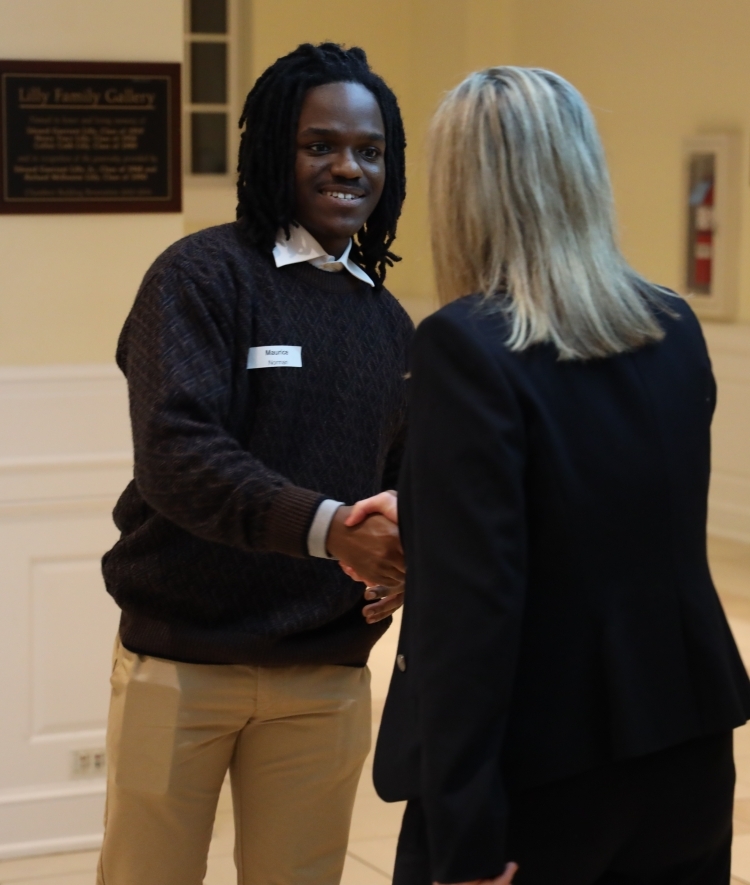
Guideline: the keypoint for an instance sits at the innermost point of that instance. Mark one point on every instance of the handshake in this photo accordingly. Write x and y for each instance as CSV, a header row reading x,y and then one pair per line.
x,y
365,539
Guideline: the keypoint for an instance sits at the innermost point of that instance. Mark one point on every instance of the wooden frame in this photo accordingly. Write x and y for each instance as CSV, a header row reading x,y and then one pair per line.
x,y
231,107
714,295
58,155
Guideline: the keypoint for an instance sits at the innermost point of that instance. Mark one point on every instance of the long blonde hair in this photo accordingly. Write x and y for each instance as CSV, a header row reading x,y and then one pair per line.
x,y
521,211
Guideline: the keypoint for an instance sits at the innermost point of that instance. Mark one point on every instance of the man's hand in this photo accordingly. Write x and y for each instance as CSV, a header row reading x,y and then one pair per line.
x,y
505,879
372,548
388,600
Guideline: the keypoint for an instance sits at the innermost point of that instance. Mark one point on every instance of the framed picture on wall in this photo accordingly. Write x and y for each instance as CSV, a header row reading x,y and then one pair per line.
x,y
89,137
711,192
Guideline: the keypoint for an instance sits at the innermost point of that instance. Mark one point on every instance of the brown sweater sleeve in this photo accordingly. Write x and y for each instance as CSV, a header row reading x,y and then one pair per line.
x,y
176,351
289,517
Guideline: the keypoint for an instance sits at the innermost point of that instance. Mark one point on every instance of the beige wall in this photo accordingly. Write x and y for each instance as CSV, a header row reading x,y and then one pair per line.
x,y
67,281
654,72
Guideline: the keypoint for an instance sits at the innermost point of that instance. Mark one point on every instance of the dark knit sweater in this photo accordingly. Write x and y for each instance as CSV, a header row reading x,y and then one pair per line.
x,y
231,464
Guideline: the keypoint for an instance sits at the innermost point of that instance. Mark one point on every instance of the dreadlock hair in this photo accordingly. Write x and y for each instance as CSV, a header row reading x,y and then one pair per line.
x,y
265,186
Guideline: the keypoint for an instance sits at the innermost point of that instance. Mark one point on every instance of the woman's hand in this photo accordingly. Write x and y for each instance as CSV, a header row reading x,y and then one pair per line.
x,y
505,879
385,503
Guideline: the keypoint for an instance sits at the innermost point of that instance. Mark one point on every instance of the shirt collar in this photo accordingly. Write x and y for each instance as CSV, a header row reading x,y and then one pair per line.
x,y
302,246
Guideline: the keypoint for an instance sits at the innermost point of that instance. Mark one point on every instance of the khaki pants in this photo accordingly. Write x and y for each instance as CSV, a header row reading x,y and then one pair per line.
x,y
294,740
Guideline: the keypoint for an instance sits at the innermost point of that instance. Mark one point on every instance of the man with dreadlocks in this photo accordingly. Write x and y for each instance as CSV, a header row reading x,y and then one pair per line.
x,y
265,364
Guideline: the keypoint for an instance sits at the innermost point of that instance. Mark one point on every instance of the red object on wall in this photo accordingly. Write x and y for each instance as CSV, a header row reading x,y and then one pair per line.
x,y
704,239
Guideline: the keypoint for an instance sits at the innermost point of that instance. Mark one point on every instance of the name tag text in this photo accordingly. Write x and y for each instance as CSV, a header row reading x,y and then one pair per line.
x,y
275,356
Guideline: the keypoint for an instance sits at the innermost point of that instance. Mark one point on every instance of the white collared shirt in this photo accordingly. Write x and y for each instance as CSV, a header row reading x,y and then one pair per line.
x,y
302,246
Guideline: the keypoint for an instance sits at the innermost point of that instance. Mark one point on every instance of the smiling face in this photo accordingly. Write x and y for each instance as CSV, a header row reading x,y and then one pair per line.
x,y
339,170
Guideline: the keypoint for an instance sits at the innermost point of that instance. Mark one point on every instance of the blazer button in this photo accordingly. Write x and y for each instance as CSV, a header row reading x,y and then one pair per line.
x,y
401,663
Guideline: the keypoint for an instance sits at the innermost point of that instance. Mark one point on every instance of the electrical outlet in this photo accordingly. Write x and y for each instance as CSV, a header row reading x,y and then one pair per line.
x,y
89,763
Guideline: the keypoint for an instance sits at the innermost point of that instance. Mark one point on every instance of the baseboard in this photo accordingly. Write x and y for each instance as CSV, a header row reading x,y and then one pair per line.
x,y
51,819
64,845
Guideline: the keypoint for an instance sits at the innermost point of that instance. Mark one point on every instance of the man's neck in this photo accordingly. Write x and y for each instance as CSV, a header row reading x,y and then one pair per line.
x,y
334,247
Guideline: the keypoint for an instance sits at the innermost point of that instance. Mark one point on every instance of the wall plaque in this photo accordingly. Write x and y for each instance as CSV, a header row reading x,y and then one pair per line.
x,y
89,137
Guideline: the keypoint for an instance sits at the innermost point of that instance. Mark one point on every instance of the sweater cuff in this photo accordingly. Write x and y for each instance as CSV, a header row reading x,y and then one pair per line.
x,y
289,517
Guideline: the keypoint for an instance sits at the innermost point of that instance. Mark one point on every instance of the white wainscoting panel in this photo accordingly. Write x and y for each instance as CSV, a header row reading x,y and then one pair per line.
x,y
64,459
63,646
729,502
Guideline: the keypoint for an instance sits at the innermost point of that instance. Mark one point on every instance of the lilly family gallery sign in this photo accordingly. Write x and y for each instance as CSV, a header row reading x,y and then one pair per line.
x,y
89,137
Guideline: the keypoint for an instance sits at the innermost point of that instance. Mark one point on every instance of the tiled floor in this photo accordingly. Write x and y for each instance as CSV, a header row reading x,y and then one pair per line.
x,y
375,825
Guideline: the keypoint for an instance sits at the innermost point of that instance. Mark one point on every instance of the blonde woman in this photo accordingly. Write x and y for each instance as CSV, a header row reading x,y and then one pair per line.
x,y
566,685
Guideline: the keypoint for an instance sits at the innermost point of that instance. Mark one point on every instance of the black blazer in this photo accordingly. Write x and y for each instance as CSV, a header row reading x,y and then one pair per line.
x,y
559,608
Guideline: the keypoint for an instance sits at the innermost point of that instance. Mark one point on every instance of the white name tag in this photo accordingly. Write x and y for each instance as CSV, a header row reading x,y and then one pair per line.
x,y
275,356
